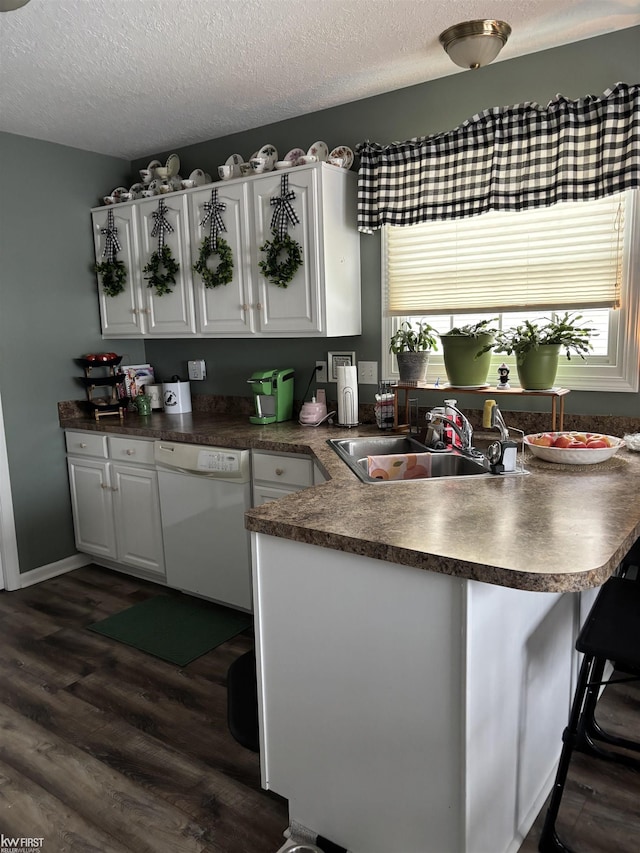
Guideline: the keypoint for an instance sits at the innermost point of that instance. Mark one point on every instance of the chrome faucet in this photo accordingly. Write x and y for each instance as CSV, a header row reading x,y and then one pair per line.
x,y
464,432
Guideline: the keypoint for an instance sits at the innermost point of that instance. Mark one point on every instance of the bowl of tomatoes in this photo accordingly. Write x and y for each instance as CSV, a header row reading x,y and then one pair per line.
x,y
573,448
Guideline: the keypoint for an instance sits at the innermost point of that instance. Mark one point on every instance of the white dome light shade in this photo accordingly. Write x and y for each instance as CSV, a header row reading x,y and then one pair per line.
x,y
475,43
10,5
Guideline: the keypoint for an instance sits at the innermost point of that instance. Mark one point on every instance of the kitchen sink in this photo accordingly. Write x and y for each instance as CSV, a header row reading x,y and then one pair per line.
x,y
444,463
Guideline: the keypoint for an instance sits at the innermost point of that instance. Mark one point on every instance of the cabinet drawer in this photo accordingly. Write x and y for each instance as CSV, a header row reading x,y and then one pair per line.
x,y
131,449
86,444
293,470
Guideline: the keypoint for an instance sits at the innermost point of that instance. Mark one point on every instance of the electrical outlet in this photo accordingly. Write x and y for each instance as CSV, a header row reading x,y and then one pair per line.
x,y
197,369
368,372
322,375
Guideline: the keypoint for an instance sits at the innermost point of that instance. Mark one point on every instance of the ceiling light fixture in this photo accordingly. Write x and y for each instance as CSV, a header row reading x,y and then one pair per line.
x,y
472,44
10,5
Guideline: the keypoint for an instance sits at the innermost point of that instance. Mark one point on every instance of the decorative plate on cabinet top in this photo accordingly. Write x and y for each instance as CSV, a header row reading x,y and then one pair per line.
x,y
235,161
319,150
294,155
344,153
270,153
172,165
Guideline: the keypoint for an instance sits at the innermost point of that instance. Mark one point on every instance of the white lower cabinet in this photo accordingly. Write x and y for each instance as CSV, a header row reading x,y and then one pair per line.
x,y
115,503
275,475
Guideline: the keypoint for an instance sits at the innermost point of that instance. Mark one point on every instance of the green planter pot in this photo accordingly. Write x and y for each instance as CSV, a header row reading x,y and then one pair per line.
x,y
412,366
537,369
464,370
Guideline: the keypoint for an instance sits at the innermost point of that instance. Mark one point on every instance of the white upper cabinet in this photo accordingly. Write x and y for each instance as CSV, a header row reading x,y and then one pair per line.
x,y
322,299
227,308
172,314
296,308
123,315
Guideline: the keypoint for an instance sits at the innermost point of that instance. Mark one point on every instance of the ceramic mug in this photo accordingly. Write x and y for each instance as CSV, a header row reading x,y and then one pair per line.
x,y
245,168
258,164
225,172
142,404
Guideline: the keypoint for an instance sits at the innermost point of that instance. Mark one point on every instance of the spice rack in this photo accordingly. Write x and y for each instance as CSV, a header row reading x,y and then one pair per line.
x,y
106,405
557,396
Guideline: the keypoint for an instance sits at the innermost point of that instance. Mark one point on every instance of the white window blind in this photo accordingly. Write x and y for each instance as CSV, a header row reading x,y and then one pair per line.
x,y
563,257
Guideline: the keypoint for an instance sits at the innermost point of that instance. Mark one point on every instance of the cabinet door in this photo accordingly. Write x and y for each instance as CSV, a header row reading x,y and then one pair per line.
x,y
172,314
136,510
296,308
91,502
227,308
121,315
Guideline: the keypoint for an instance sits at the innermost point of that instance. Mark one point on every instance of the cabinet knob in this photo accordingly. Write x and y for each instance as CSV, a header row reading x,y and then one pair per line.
x,y
259,306
279,471
134,310
104,486
130,452
82,444
245,307
114,488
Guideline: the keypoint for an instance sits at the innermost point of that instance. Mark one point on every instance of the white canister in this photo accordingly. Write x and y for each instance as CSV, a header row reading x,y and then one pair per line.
x,y
176,396
156,396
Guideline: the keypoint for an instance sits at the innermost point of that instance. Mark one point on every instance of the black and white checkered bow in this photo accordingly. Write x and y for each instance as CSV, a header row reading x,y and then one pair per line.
x,y
111,244
284,212
216,225
161,224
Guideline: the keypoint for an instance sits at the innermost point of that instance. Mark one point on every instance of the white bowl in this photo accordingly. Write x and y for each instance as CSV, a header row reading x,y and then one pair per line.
x,y
572,455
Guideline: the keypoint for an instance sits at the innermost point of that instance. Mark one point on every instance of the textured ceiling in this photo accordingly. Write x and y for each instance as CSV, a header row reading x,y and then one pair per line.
x,y
130,77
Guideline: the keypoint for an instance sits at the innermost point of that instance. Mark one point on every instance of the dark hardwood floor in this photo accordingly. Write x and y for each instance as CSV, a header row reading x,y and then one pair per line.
x,y
107,749
104,748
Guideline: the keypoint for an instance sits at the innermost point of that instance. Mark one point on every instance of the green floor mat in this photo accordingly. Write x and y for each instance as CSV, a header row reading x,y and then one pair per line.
x,y
177,629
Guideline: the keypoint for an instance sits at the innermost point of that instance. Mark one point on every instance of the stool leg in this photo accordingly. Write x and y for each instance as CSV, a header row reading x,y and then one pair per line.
x,y
549,841
590,730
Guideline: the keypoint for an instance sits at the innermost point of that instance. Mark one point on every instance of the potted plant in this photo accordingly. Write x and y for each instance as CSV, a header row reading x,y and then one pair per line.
x,y
411,348
467,353
537,347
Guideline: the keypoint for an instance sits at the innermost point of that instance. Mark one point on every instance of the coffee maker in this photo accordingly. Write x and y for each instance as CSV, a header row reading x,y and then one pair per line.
x,y
273,395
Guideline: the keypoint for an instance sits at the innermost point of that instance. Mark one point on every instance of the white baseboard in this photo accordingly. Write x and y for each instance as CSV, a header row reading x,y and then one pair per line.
x,y
52,570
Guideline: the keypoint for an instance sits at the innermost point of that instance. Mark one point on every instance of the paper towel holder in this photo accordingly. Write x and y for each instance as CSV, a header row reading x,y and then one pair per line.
x,y
347,396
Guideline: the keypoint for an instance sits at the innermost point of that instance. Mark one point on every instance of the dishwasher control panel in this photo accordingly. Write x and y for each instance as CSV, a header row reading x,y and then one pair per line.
x,y
219,462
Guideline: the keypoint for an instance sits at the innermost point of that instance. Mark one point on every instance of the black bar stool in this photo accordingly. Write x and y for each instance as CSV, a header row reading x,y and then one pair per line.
x,y
611,633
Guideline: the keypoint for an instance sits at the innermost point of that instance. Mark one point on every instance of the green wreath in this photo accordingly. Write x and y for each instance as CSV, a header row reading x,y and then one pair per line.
x,y
161,280
223,273
282,272
114,276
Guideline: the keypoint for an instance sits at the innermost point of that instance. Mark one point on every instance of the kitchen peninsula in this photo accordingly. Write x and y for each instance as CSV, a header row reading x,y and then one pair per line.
x,y
415,640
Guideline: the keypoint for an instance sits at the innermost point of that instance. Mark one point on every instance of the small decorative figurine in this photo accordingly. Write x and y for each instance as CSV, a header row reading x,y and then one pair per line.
x,y
503,374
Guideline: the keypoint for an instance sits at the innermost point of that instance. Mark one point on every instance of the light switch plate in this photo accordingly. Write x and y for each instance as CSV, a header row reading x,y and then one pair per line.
x,y
367,372
197,369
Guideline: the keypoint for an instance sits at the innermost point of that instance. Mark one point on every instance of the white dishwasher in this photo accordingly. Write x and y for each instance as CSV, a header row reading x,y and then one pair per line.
x,y
204,494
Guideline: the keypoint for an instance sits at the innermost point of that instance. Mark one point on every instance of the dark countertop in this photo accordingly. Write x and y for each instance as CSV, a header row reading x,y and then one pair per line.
x,y
559,529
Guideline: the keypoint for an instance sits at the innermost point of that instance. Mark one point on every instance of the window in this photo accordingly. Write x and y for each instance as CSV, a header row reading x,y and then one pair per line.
x,y
573,256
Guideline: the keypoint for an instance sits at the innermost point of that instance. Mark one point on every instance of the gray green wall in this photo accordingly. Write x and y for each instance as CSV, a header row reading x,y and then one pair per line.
x,y
48,317
48,299
575,70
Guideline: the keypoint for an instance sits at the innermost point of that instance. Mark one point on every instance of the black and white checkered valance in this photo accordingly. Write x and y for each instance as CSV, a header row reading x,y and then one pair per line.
x,y
505,158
